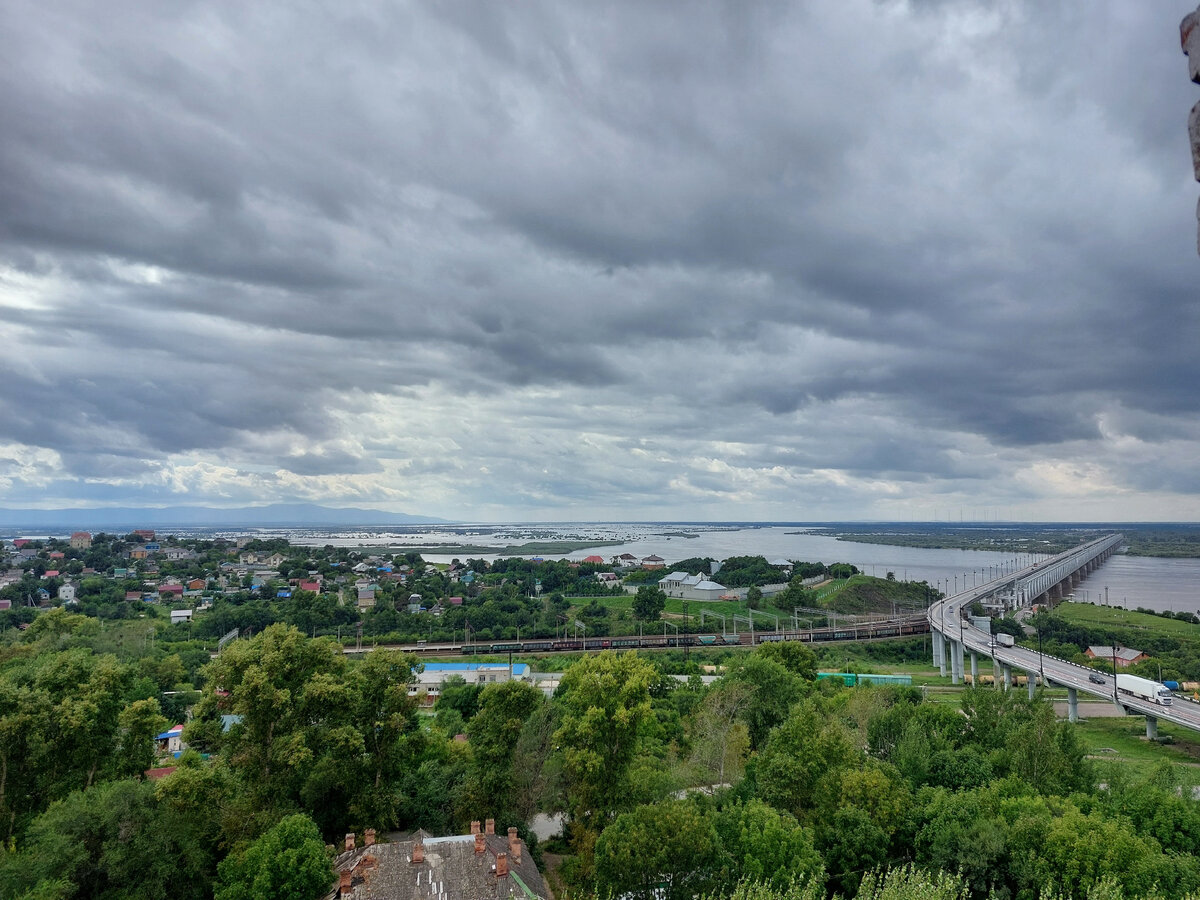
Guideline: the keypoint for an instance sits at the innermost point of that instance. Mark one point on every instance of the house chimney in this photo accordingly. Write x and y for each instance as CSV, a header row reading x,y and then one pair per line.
x,y
350,841
369,837
501,865
344,884
418,854
478,842
474,826
490,826
514,846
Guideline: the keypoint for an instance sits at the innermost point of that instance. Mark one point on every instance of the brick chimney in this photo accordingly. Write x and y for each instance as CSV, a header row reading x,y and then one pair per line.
x,y
478,842
501,865
369,837
344,884
514,845
418,854
474,826
350,841
490,826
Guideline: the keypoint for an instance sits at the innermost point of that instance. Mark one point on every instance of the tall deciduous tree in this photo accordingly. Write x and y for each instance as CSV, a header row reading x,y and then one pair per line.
x,y
286,863
648,603
494,733
603,701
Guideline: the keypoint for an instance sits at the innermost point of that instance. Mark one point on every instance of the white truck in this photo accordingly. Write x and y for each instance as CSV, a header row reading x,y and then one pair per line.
x,y
1004,640
1145,688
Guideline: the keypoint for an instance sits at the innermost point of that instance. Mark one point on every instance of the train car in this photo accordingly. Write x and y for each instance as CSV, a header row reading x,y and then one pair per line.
x,y
623,642
731,638
567,645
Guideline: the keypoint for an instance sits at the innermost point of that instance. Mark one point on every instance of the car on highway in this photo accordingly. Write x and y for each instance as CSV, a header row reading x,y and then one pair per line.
x,y
1096,679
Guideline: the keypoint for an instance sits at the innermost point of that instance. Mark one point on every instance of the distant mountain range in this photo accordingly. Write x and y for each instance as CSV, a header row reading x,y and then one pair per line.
x,y
278,514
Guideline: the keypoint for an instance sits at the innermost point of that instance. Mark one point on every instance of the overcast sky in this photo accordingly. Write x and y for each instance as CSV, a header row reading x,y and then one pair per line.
x,y
563,261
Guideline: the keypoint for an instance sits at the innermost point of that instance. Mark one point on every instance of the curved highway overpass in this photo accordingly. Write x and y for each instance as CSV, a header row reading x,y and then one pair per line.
x,y
958,636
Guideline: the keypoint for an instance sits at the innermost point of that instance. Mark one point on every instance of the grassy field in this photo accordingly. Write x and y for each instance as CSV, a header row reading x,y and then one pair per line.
x,y
1122,740
1089,615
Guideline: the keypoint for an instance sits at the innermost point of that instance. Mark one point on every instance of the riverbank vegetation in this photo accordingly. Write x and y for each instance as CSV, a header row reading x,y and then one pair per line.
x,y
1171,541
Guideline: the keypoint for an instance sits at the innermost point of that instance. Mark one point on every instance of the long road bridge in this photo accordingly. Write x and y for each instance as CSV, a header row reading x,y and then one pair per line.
x,y
958,636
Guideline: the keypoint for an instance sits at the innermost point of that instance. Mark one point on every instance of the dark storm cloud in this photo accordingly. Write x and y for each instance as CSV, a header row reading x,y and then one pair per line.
x,y
881,238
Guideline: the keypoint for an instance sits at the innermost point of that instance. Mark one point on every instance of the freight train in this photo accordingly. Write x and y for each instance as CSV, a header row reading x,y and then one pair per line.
x,y
872,631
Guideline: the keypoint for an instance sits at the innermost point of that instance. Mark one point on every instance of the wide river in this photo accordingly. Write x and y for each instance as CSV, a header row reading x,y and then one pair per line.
x,y
1129,581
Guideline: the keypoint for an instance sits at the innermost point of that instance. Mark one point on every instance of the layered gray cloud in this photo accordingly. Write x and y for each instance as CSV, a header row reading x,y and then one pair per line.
x,y
787,261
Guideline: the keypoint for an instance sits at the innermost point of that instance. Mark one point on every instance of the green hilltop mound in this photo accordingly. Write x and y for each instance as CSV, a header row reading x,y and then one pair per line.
x,y
864,595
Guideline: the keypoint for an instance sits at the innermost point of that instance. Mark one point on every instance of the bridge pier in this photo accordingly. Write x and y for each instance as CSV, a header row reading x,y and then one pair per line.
x,y
1006,671
955,662
1151,728
940,640
1031,683
974,669
1072,705
938,659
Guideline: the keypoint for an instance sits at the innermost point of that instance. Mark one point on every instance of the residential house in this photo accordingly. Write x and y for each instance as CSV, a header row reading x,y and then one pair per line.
x,y
196,584
146,534
366,595
171,741
1125,656
66,593
180,615
626,560
81,540
653,561
597,560
691,587
478,865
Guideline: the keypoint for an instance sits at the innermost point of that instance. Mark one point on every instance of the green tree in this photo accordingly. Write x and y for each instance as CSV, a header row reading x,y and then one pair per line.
x,y
803,756
797,658
775,689
139,722
766,845
648,603
494,732
754,597
665,850
603,701
720,740
286,863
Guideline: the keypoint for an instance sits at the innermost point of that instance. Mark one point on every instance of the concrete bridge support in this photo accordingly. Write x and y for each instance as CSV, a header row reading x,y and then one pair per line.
x,y
974,669
936,641
940,639
956,669
1151,728
1006,671
1072,704
1031,683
